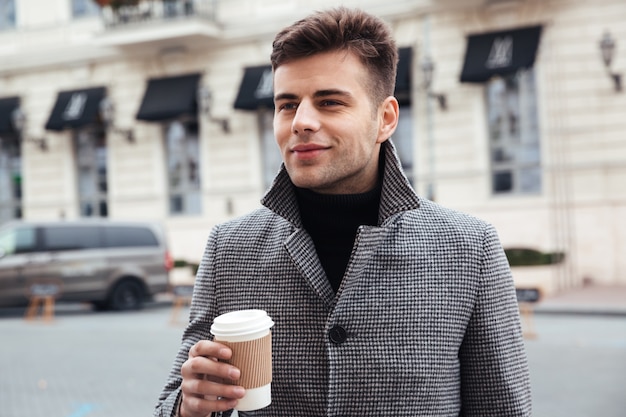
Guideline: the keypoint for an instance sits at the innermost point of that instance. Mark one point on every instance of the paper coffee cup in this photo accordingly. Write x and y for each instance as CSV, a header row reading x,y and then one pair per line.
x,y
247,334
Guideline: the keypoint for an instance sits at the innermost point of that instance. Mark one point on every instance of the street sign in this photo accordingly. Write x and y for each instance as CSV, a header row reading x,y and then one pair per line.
x,y
42,294
527,295
44,290
183,290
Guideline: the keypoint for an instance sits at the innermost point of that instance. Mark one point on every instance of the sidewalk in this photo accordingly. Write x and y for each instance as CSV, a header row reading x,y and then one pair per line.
x,y
593,299
590,300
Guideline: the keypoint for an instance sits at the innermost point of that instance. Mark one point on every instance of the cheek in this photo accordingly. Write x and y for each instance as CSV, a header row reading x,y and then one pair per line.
x,y
281,131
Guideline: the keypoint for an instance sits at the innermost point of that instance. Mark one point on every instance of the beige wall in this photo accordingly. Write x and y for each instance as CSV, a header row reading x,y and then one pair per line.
x,y
583,128
583,132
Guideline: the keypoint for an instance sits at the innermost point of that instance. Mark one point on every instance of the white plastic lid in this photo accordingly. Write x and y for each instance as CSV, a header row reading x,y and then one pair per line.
x,y
241,323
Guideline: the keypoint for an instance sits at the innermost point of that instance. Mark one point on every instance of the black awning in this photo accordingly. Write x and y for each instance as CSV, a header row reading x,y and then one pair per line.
x,y
403,75
256,89
76,108
170,97
7,106
499,53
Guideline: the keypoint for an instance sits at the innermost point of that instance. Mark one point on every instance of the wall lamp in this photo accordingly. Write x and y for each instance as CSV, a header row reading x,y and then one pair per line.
x,y
428,70
205,104
607,47
107,115
18,120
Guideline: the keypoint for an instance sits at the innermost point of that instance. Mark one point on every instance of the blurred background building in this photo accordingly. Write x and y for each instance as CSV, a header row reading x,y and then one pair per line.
x,y
512,110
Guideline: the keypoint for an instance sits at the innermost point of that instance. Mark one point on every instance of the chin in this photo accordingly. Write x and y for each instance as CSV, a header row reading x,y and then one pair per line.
x,y
306,181
304,184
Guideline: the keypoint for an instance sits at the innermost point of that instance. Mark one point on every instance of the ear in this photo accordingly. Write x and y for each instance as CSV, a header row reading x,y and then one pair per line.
x,y
388,114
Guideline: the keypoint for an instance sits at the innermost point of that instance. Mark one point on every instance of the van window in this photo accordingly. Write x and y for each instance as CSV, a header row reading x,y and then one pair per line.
x,y
127,236
60,238
19,240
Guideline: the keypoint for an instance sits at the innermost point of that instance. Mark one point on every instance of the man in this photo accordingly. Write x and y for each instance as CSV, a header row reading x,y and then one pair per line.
x,y
385,304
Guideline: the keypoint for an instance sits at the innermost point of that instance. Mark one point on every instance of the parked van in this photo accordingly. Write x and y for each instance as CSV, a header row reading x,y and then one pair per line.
x,y
111,264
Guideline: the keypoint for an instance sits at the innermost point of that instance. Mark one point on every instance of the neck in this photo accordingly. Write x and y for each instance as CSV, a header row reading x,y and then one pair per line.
x,y
332,221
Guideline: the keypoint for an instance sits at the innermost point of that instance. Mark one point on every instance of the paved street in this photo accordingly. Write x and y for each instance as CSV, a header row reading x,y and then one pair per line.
x,y
86,364
114,364
578,366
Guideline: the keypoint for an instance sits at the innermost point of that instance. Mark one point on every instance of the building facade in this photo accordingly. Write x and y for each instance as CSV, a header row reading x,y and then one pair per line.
x,y
162,110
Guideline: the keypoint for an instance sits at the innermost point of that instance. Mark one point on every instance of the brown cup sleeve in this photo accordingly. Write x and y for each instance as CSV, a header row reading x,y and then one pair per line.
x,y
254,360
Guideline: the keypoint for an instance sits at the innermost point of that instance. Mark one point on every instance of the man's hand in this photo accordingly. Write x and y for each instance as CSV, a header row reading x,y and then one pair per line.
x,y
203,388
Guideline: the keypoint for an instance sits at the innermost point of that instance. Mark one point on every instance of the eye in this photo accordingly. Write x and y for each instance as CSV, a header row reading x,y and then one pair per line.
x,y
288,106
330,103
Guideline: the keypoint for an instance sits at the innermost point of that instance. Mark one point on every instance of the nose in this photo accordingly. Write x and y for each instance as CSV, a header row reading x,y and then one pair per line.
x,y
306,119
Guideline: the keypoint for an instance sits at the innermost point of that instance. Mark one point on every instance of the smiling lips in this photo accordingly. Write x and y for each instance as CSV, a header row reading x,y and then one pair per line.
x,y
308,151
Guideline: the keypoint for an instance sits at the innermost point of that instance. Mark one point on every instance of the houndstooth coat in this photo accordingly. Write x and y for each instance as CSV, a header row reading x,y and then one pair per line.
x,y
425,322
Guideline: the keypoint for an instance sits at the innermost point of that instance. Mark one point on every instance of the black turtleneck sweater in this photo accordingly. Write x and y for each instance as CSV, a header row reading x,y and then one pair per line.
x,y
332,222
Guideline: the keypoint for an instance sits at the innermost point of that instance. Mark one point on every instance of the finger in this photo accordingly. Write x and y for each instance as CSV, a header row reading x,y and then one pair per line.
x,y
198,367
196,406
210,349
202,397
211,390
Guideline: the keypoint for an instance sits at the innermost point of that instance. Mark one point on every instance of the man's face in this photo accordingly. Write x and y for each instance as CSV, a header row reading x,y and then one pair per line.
x,y
327,128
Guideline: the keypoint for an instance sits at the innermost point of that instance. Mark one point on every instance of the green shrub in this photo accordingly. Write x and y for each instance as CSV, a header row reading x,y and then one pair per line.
x,y
181,263
532,257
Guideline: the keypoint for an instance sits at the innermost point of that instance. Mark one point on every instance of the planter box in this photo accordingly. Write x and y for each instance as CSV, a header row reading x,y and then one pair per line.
x,y
542,277
182,275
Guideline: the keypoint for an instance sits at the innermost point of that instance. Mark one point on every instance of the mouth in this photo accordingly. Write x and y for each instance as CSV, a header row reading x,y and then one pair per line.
x,y
308,151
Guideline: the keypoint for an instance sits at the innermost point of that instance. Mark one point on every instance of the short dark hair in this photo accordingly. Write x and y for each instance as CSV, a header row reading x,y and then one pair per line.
x,y
338,29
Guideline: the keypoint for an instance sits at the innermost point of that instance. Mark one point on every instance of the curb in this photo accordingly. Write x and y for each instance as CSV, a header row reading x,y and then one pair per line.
x,y
581,310
571,310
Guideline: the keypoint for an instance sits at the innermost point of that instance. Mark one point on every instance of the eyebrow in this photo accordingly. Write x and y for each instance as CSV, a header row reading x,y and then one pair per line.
x,y
317,94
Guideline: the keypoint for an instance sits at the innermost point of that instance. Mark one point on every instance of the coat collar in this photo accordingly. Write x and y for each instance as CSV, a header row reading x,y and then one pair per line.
x,y
397,194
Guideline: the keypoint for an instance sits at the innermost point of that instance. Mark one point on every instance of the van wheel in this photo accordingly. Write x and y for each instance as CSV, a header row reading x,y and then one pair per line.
x,y
127,295
100,305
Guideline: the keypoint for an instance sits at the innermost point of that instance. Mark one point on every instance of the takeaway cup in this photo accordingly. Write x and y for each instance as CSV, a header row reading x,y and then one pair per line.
x,y
247,333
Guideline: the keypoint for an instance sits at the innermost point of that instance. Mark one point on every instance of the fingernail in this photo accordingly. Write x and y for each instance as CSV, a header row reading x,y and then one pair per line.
x,y
239,391
234,373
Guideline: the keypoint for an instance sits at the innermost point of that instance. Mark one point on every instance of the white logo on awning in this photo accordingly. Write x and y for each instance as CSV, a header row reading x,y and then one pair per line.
x,y
75,107
501,54
266,85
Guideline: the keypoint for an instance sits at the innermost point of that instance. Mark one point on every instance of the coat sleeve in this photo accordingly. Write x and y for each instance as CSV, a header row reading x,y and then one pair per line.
x,y
495,378
203,310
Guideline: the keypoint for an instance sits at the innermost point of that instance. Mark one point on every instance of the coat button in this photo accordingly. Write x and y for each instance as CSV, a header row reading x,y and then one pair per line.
x,y
337,335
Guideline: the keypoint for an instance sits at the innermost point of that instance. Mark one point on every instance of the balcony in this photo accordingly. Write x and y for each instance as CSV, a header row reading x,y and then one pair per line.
x,y
129,23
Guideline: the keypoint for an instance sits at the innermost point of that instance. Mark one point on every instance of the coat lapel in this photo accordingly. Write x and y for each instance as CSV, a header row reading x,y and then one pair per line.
x,y
300,247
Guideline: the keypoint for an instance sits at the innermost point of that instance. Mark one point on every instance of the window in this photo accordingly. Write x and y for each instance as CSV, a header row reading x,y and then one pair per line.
x,y
514,134
91,171
272,158
183,167
7,14
10,178
60,238
128,236
403,141
18,240
82,8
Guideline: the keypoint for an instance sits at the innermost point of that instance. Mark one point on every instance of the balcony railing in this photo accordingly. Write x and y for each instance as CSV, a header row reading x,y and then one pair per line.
x,y
122,13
